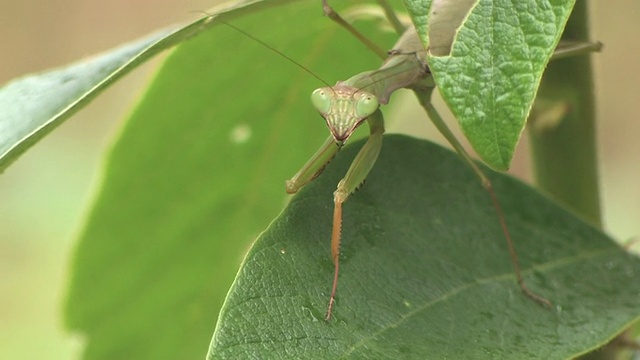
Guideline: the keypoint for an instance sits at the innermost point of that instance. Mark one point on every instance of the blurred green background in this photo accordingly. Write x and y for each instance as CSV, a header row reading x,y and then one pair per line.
x,y
46,193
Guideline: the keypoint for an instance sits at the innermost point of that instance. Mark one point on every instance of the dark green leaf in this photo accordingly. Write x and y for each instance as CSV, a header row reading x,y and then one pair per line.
x,y
425,271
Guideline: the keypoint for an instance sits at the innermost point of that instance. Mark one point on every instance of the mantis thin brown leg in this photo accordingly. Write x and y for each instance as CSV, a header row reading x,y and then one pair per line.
x,y
424,96
335,17
391,16
572,48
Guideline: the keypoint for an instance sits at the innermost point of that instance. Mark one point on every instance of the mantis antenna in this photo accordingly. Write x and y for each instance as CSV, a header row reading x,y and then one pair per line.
x,y
277,52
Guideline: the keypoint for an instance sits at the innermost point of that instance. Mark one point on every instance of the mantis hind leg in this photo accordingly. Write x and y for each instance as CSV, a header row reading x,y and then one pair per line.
x,y
392,17
572,48
357,173
424,97
389,13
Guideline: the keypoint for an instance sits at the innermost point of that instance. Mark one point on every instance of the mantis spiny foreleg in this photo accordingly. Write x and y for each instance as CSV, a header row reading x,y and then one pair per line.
x,y
357,173
344,108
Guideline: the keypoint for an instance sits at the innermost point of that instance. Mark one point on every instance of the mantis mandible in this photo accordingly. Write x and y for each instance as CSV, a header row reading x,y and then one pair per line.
x,y
348,104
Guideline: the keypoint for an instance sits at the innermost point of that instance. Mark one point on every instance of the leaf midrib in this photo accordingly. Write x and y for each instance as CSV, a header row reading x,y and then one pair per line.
x,y
545,267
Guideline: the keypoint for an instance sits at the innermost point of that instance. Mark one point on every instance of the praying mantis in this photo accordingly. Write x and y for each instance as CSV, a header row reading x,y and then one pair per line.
x,y
348,104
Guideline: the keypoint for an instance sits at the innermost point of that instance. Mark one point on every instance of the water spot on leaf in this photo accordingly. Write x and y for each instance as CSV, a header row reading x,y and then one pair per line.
x,y
240,134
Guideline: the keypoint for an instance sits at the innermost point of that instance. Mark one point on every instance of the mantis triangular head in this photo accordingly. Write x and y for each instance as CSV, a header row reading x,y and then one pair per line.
x,y
344,108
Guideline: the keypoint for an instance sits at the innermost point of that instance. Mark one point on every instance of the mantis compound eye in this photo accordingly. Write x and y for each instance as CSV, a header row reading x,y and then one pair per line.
x,y
367,104
321,100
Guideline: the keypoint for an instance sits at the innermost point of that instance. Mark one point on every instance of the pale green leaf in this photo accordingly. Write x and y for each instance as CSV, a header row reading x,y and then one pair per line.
x,y
491,76
34,105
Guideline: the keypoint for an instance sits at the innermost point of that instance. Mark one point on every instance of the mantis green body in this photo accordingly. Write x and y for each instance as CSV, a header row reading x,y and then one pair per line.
x,y
349,103
345,107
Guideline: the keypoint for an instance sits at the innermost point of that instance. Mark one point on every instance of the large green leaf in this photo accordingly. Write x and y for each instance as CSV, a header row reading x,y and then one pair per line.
x,y
197,173
491,75
425,271
32,106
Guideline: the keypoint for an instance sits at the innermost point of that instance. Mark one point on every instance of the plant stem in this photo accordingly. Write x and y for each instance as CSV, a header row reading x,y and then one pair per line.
x,y
563,137
564,152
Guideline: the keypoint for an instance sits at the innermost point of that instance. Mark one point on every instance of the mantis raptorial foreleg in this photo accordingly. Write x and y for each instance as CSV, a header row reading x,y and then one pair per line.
x,y
314,166
344,107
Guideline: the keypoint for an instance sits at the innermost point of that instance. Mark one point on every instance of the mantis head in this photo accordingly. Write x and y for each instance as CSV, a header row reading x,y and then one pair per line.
x,y
344,108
